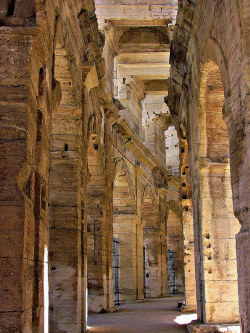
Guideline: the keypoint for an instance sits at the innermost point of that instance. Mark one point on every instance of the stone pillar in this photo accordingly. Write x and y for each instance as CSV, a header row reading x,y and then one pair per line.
x,y
156,272
139,265
240,188
140,225
217,275
189,260
24,179
130,92
164,250
66,226
188,230
67,207
163,270
125,229
153,126
99,220
175,243
153,249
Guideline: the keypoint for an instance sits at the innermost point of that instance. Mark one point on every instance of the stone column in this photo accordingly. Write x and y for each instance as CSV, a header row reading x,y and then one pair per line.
x,y
100,230
188,230
130,92
175,243
156,272
218,302
163,276
140,225
240,188
189,260
139,265
163,235
67,201
125,229
24,150
153,126
66,224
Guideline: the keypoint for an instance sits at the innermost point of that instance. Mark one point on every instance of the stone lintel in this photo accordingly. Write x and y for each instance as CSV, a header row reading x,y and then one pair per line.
x,y
140,23
142,57
146,70
156,87
137,12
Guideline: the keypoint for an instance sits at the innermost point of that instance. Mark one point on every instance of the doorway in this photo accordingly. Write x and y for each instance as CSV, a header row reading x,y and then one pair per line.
x,y
116,268
171,272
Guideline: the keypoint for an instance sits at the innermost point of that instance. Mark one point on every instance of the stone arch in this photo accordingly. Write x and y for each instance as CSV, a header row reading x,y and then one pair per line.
x,y
226,50
216,223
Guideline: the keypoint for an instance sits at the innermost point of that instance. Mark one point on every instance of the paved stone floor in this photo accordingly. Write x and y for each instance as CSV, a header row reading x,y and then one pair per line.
x,y
151,316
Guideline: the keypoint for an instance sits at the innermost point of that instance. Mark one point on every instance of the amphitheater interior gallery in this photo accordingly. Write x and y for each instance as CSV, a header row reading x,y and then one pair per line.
x,y
124,159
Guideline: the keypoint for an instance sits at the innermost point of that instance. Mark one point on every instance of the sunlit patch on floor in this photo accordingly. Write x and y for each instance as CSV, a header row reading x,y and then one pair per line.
x,y
185,318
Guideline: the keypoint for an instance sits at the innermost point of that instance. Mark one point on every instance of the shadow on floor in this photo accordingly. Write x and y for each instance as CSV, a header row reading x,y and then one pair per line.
x,y
152,316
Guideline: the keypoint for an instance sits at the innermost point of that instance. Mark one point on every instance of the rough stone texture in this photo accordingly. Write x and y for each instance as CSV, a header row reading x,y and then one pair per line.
x,y
67,148
172,151
205,48
188,229
83,157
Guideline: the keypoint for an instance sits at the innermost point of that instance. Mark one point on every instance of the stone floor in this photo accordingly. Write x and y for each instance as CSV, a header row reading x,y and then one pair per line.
x,y
152,316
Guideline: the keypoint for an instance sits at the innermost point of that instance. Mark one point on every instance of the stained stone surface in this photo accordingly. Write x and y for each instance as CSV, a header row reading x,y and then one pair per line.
x,y
83,158
208,100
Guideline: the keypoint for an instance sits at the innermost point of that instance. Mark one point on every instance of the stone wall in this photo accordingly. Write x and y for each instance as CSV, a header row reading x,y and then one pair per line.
x,y
62,135
215,31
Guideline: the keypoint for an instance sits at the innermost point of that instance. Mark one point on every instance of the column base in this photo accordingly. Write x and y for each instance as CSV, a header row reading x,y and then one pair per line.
x,y
196,327
110,310
188,308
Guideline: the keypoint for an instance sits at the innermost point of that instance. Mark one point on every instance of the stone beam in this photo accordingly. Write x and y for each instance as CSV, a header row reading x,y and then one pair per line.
x,y
165,119
156,87
109,11
143,57
145,71
140,23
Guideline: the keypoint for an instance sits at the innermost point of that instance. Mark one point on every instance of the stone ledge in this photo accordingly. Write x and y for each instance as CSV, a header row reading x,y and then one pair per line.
x,y
196,327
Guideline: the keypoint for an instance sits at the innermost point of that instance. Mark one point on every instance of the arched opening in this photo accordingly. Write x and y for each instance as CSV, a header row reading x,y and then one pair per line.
x,y
217,273
126,237
154,244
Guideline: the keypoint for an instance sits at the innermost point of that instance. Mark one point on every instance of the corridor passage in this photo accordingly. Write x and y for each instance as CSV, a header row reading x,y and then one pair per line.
x,y
151,316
